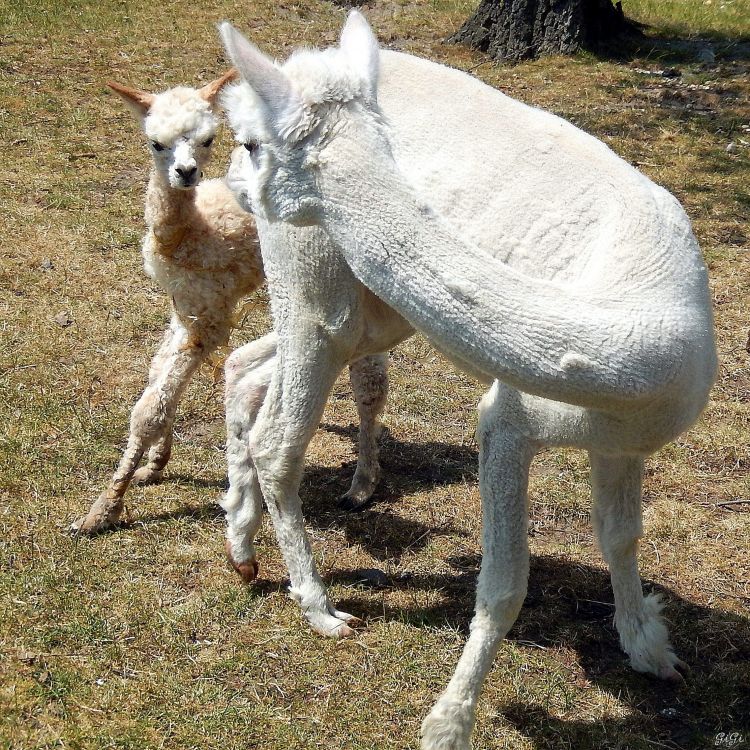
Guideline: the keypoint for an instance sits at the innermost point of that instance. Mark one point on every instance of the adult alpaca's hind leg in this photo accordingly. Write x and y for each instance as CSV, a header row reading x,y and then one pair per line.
x,y
151,420
504,460
616,516
369,379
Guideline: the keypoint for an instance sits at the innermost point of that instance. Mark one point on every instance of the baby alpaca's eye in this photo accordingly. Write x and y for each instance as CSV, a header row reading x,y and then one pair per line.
x,y
157,146
207,142
252,146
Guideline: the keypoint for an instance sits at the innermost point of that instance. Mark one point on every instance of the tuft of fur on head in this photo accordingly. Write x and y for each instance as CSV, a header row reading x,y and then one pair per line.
x,y
338,75
180,112
292,111
291,99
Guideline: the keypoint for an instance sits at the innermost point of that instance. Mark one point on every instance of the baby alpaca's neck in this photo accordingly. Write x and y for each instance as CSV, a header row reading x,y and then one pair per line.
x,y
168,212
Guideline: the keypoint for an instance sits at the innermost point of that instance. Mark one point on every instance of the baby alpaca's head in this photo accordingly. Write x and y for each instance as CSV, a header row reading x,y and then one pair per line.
x,y
180,125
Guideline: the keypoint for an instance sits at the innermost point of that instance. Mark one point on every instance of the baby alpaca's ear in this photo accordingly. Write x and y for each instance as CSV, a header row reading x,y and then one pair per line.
x,y
360,46
211,90
138,102
269,83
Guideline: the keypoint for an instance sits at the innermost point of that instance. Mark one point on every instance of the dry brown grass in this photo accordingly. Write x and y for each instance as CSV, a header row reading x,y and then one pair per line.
x,y
143,638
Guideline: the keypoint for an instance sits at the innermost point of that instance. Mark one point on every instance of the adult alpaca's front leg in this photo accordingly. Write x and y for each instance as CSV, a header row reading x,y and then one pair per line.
x,y
369,379
504,459
248,373
304,375
616,516
151,420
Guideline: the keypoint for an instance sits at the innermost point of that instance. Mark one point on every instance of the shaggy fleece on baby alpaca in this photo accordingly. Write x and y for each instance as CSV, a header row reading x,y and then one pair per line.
x,y
202,249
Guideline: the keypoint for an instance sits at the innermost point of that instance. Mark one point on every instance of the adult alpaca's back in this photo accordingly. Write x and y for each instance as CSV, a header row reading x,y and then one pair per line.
x,y
548,200
524,185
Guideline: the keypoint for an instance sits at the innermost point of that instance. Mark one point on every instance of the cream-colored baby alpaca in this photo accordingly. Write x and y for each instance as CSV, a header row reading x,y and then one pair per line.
x,y
525,249
203,250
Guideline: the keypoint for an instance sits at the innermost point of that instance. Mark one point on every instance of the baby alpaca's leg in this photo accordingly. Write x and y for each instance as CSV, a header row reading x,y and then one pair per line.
x,y
150,421
158,457
369,379
162,449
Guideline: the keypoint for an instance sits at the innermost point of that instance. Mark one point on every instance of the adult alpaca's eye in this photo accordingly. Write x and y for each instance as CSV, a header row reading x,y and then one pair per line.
x,y
252,146
207,142
157,146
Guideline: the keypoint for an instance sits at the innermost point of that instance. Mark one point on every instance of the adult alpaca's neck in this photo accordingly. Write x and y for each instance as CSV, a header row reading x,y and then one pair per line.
x,y
539,336
168,212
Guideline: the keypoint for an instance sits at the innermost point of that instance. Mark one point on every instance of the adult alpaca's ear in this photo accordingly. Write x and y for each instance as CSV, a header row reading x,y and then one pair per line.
x,y
269,83
137,101
359,44
211,90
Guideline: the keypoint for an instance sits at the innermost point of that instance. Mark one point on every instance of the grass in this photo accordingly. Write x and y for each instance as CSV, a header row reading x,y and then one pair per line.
x,y
693,18
143,638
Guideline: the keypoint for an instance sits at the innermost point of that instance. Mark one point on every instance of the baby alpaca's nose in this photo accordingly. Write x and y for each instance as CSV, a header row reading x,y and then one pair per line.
x,y
187,173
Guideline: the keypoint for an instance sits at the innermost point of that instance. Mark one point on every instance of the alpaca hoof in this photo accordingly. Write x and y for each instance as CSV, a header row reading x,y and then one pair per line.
x,y
342,631
94,522
668,668
333,625
351,620
674,673
247,570
87,527
644,638
353,502
359,494
447,727
146,475
77,526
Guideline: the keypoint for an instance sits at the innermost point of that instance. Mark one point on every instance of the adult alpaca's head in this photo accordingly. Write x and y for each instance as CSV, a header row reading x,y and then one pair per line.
x,y
301,124
180,125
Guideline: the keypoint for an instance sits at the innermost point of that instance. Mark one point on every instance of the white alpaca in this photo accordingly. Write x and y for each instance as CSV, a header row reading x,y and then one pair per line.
x,y
525,249
202,249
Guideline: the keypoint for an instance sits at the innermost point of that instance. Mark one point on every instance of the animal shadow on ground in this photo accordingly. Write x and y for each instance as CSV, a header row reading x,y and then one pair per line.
x,y
211,512
407,468
641,41
564,608
567,610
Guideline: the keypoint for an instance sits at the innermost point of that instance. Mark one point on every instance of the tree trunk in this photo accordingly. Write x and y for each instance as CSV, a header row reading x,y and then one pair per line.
x,y
522,29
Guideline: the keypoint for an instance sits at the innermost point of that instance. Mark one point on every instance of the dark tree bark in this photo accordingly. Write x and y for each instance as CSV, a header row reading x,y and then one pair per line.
x,y
522,29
